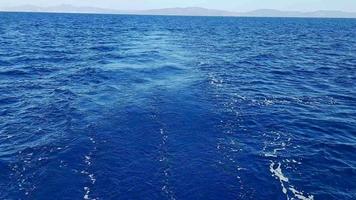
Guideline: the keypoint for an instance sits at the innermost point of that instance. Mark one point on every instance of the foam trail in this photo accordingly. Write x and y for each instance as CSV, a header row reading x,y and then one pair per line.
x,y
88,161
276,171
166,188
275,167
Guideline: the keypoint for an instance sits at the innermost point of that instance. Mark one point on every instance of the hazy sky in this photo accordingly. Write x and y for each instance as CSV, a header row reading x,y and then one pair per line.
x,y
233,5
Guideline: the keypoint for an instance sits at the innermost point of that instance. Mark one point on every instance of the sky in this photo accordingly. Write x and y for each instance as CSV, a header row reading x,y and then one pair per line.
x,y
231,5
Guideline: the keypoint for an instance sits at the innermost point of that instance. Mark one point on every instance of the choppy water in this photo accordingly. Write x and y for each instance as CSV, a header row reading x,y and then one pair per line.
x,y
138,107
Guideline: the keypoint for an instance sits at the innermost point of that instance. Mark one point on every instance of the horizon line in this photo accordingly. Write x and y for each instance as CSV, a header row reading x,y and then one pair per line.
x,y
180,11
177,7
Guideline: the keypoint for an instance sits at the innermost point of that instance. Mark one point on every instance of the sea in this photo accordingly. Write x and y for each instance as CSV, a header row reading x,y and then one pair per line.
x,y
176,108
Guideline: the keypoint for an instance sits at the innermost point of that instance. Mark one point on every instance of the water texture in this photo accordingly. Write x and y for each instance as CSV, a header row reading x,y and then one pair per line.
x,y
153,107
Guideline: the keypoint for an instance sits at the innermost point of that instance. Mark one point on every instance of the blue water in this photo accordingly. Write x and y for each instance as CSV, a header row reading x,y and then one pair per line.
x,y
153,107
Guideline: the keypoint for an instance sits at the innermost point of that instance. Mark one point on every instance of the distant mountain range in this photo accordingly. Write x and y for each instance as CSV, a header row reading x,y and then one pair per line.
x,y
188,11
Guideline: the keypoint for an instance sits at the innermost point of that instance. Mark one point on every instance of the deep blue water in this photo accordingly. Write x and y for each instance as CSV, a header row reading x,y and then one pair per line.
x,y
193,108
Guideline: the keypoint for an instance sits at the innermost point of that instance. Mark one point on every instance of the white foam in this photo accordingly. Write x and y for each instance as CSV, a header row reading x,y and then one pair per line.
x,y
276,168
87,160
277,172
166,188
300,195
87,191
92,178
92,140
270,155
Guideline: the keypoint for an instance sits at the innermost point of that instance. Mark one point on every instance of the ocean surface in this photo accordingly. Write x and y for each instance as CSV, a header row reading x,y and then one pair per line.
x,y
185,108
